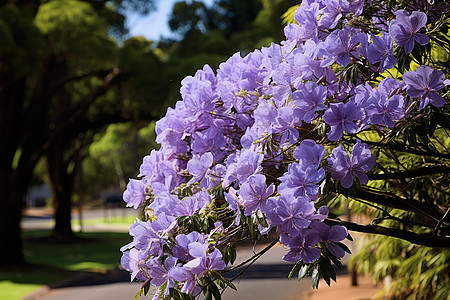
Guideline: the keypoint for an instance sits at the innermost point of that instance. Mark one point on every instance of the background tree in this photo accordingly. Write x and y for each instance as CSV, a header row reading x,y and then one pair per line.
x,y
57,63
116,150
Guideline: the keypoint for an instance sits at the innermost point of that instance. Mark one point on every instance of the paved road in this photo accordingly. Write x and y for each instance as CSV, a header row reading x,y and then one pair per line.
x,y
41,218
278,289
267,279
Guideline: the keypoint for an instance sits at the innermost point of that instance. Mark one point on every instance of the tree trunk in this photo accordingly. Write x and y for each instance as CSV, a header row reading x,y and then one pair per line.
x,y
11,251
14,180
63,160
61,185
62,191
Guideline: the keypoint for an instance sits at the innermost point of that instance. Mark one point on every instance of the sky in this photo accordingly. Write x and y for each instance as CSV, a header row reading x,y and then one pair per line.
x,y
154,25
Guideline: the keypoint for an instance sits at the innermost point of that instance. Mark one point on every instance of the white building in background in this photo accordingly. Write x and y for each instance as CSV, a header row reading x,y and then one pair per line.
x,y
38,196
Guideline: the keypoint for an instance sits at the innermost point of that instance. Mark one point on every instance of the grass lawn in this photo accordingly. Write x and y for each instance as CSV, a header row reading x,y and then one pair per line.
x,y
55,262
109,220
127,220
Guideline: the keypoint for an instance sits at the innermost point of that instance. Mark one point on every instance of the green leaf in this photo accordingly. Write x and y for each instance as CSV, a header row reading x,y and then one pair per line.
x,y
146,287
213,289
315,278
231,251
403,59
288,16
344,247
337,262
224,283
349,237
303,272
207,293
324,269
417,53
295,268
333,274
139,293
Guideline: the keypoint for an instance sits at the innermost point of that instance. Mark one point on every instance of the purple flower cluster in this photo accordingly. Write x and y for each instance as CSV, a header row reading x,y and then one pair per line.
x,y
345,168
239,144
404,28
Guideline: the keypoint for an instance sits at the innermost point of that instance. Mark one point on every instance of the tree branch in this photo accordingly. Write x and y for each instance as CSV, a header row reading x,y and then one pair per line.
x,y
427,170
62,81
422,239
403,148
393,201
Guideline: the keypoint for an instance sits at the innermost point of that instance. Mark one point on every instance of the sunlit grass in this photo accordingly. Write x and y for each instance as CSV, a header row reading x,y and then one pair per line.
x,y
98,251
11,290
126,220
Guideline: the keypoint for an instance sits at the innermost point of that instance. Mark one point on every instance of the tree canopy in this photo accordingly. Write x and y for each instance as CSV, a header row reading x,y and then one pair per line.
x,y
61,73
349,112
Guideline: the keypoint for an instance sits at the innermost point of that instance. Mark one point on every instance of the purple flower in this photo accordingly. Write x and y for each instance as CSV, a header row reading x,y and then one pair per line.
x,y
181,249
308,100
345,168
134,195
342,43
306,16
289,213
301,181
332,13
165,203
330,236
309,153
187,207
134,261
383,109
285,123
341,117
424,83
300,247
233,199
404,28
356,6
159,172
145,238
168,271
202,261
164,224
255,193
320,215
198,91
199,165
207,137
391,86
244,165
381,50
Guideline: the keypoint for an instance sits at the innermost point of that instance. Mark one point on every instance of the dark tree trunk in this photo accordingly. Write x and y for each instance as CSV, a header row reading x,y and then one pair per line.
x,y
14,180
62,191
63,160
11,251
61,186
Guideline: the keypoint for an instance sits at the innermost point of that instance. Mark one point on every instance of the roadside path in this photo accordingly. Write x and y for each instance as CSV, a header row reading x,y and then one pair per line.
x,y
266,279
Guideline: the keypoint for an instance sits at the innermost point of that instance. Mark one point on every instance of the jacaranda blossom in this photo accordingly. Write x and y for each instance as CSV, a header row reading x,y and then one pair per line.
x,y
424,83
341,117
345,168
404,28
382,51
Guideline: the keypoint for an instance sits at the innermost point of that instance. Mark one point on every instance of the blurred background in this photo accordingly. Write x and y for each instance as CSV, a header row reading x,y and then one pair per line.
x,y
81,86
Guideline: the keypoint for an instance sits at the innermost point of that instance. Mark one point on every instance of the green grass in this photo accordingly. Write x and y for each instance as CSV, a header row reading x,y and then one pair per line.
x,y
127,220
116,220
17,284
98,251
